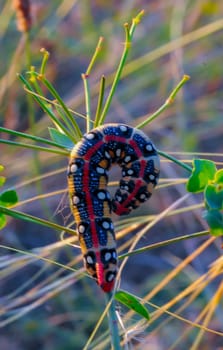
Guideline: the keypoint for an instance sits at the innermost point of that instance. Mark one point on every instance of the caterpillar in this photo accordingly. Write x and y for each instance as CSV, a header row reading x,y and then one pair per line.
x,y
90,201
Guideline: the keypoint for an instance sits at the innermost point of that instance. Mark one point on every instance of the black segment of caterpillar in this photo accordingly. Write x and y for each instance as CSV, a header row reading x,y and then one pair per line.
x,y
91,203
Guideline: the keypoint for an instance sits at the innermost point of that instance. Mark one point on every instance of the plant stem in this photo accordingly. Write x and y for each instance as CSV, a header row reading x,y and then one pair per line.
x,y
76,129
113,322
41,77
164,243
44,61
95,55
177,161
39,93
85,77
31,116
35,147
100,101
22,216
167,103
46,109
87,101
128,38
30,137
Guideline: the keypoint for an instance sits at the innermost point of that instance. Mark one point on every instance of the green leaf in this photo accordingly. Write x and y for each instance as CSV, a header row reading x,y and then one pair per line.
x,y
203,171
132,303
213,195
219,177
60,138
8,198
1,167
215,221
2,180
2,221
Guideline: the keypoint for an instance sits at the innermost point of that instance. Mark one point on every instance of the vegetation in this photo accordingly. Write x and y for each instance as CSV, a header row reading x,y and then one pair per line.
x,y
169,290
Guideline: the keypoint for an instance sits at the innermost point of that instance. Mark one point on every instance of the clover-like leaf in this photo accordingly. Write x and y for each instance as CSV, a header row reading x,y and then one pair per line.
x,y
215,221
8,198
203,171
132,303
2,221
213,195
218,179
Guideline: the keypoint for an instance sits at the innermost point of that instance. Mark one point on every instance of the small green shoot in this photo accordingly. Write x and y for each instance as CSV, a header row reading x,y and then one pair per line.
x,y
132,303
129,31
213,195
203,171
37,139
215,221
85,78
2,178
100,101
205,177
169,101
7,199
34,219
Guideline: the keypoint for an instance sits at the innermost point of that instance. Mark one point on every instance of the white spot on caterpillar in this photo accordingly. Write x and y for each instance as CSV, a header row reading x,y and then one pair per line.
x,y
142,196
123,128
114,255
108,256
100,170
127,159
149,147
81,229
110,277
130,172
101,195
118,152
107,155
76,200
89,259
118,198
105,225
90,136
73,168
152,177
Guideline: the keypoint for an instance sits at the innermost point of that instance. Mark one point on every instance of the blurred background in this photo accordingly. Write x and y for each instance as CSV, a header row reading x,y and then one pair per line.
x,y
43,306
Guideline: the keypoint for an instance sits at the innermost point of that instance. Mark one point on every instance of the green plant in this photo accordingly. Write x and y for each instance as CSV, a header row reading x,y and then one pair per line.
x,y
67,132
7,199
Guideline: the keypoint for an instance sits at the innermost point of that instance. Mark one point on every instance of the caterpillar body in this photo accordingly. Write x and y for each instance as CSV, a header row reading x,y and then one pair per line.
x,y
91,203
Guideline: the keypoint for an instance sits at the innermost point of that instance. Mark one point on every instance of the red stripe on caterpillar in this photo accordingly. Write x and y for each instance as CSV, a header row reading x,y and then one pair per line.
x,y
91,204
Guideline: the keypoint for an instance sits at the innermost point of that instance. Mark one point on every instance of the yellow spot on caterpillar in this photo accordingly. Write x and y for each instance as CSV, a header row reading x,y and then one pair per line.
x,y
106,209
83,245
103,163
102,183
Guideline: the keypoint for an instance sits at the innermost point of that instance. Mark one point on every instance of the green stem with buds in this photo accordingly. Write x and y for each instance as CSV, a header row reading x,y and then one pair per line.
x,y
167,103
128,38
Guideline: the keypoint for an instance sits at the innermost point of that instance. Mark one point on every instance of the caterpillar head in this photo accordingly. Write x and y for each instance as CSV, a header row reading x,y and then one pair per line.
x,y
102,266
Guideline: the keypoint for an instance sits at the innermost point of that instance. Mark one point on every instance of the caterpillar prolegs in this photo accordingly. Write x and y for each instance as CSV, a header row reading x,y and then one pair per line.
x,y
91,204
